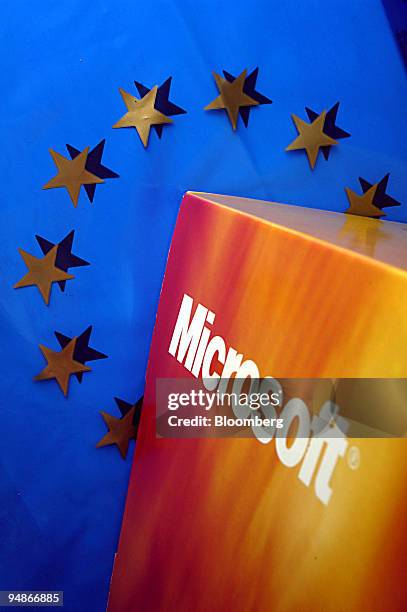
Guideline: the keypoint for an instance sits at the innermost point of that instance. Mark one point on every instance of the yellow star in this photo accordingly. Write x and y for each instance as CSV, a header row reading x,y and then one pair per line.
x,y
141,114
121,431
42,272
311,137
231,97
72,174
61,365
362,205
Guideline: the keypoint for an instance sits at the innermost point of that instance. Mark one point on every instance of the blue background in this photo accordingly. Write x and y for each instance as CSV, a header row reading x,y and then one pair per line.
x,y
61,499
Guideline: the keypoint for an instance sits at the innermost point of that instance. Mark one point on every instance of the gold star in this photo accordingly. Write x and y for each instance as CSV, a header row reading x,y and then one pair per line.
x,y
72,174
362,205
61,365
141,114
231,97
121,431
311,137
42,272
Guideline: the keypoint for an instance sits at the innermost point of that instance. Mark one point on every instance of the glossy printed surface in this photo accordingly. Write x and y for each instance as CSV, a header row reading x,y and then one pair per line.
x,y
221,524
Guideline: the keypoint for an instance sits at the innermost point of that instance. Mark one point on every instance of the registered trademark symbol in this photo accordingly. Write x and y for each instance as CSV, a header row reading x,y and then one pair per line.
x,y
353,457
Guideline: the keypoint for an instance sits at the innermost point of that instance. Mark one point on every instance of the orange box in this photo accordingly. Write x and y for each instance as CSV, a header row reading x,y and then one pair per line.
x,y
246,524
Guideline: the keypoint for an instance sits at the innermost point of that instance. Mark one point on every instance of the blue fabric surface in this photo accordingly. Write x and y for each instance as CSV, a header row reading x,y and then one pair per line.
x,y
62,64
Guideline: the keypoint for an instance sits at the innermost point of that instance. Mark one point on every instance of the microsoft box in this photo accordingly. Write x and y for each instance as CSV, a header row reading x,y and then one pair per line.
x,y
266,292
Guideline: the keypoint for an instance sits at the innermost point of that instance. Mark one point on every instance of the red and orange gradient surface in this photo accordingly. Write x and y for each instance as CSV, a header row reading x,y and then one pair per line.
x,y
222,524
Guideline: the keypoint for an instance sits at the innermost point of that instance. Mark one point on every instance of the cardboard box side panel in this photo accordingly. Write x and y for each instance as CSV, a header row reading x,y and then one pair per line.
x,y
384,241
223,524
